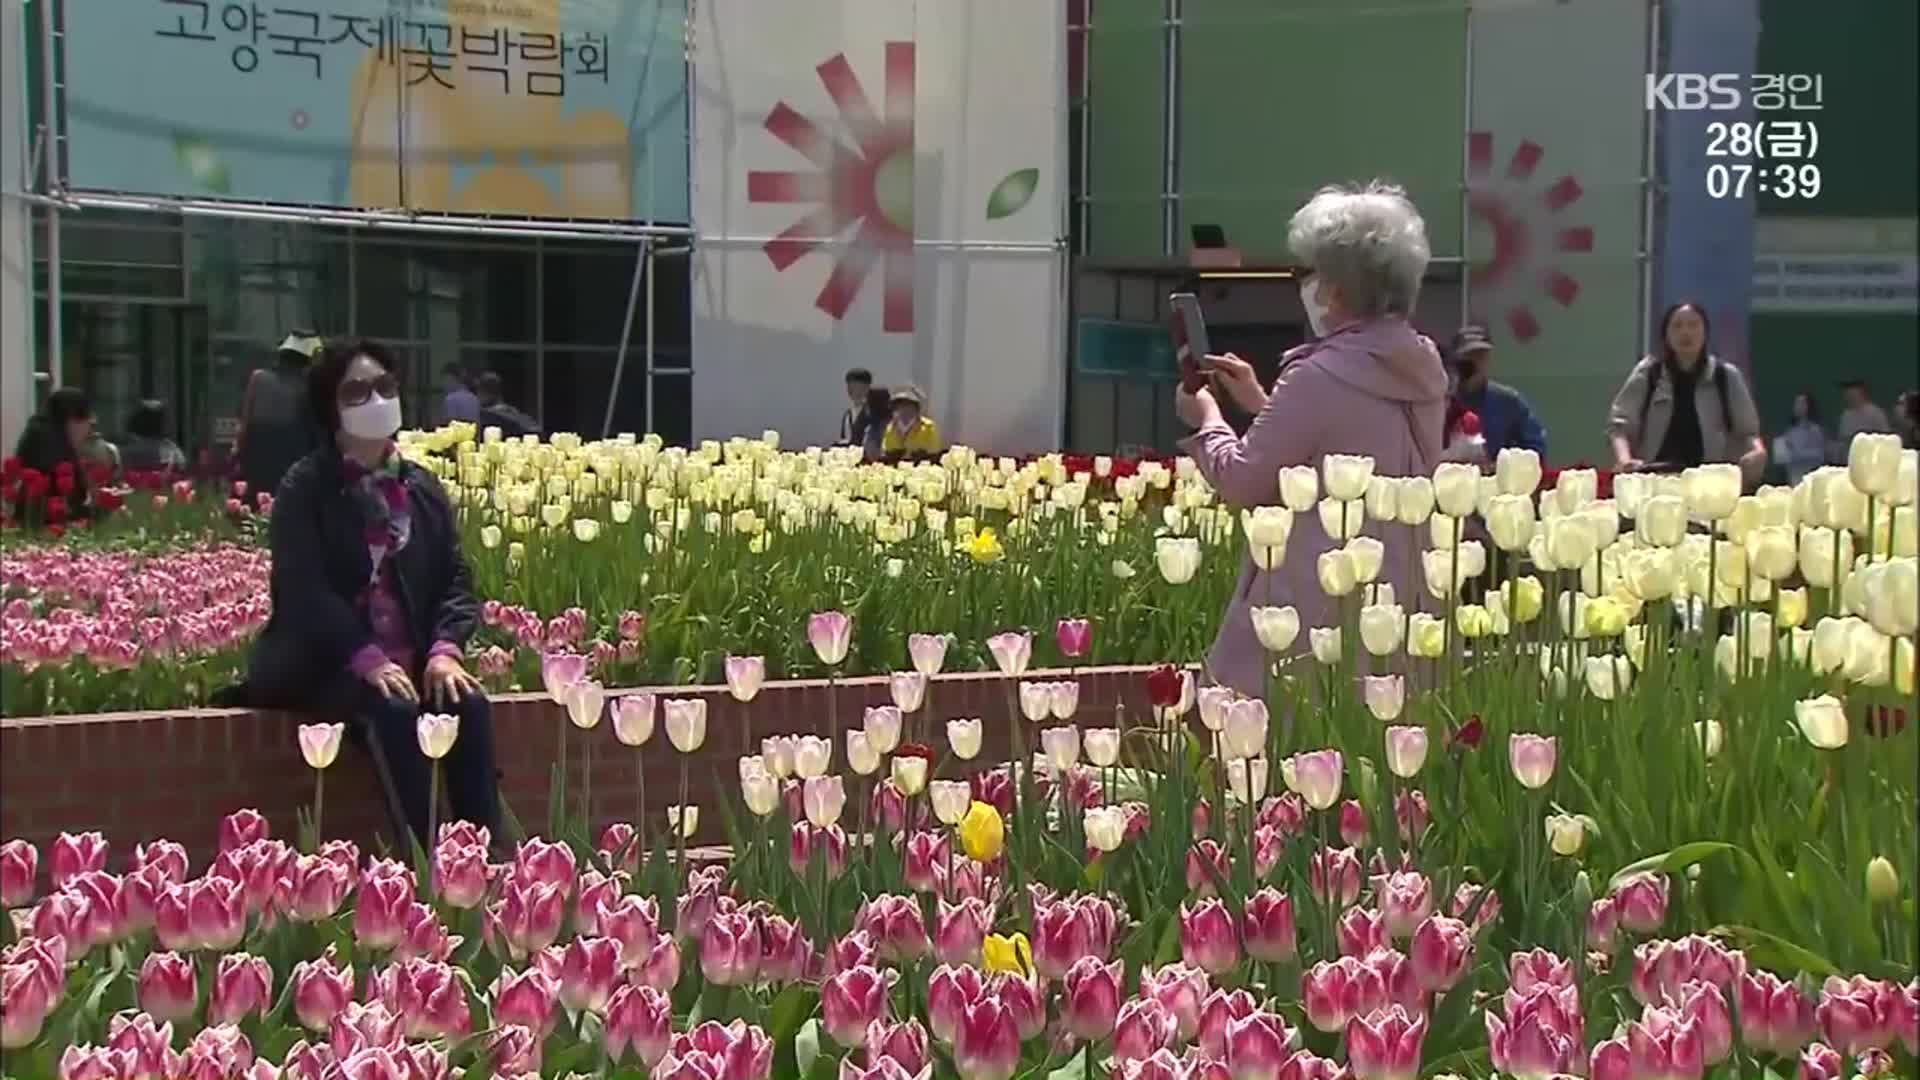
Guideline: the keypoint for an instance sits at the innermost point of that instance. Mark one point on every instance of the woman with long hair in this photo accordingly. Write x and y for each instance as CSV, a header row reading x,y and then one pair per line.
x,y
1682,405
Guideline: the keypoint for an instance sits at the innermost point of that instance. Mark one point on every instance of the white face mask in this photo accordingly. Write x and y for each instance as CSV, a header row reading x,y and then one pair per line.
x,y
1310,299
375,418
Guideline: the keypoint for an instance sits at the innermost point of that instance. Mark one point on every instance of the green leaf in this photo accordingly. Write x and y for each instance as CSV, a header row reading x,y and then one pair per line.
x,y
199,161
1670,862
1793,955
806,1046
1074,1069
1012,193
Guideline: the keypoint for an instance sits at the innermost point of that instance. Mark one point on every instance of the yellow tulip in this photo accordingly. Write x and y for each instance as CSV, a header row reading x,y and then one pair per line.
x,y
1010,953
982,834
984,547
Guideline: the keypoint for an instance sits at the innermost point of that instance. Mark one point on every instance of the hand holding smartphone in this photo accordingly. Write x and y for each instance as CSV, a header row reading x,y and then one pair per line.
x,y
1188,328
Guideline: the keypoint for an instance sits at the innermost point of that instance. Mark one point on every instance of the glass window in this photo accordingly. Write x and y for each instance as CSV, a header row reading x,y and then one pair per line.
x,y
587,290
578,382
673,408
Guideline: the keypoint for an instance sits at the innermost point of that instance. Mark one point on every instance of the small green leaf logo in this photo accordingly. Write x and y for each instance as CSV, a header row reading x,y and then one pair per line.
x,y
197,157
1012,193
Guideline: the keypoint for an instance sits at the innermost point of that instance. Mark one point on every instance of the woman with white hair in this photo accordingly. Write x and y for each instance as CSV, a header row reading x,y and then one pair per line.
x,y
1366,384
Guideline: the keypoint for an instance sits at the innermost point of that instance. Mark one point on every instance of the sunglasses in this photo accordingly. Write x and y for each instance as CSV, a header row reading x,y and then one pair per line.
x,y
358,391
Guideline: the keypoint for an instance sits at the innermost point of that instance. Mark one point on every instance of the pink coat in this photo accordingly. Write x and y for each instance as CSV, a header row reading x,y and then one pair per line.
x,y
1375,388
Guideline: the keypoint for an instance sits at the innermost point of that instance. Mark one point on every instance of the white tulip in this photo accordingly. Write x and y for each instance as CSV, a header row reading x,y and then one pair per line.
x,y
1817,554
1873,462
1869,655
908,689
1367,554
1608,676
1906,482
1178,558
1325,642
1406,750
823,798
1063,698
1342,520
1381,628
777,752
1035,701
1771,553
964,737
1575,488
1517,471
1385,696
1337,573
951,800
683,820
811,756
1276,627
320,743
759,790
910,774
1823,720
1456,486
1711,737
437,733
1570,542
1382,498
1245,733
1247,779
1106,827
633,719
1346,475
586,703
1299,487
1566,834
862,758
1510,521
686,722
1712,489
1061,745
1102,746
1426,636
1891,596
1413,501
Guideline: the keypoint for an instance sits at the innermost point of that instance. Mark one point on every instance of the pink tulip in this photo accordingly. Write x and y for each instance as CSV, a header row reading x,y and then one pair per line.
x,y
560,670
922,856
1440,952
526,918
1207,864
1181,990
1217,1015
1856,1014
168,987
312,888
1476,905
1024,999
380,910
852,950
904,1043
61,916
1537,967
212,916
1305,1066
786,954
147,1046
1092,998
1012,651
1353,823
730,949
928,651
896,926
242,985
633,921
1661,969
1142,1028
1906,1016
1200,818
320,990
1286,813
850,1000
359,1026
1268,923
1073,636
1603,924
526,998
1207,938
1410,813
1160,1065
1257,1046
73,854
19,865
829,843
1820,1062
1385,1045
1705,1007
1316,777
1335,992
661,968
427,996
1663,1045
619,845
589,969
1532,758
1642,902
830,633
698,902
1405,902
1333,877
257,868
960,930
1774,1015
987,1045
26,1000
1538,1037
513,1050
460,875
424,935
216,1051
640,1019
1360,931
548,864
242,827
950,989
1063,933
97,919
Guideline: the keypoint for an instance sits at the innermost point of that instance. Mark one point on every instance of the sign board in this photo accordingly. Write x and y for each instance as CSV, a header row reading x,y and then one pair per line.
x,y
1836,284
1120,349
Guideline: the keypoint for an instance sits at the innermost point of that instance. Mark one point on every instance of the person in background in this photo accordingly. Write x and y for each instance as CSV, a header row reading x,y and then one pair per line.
x,y
495,412
1367,383
859,383
276,422
1802,447
1505,417
147,448
52,444
910,434
1859,414
1682,405
1906,418
460,403
870,427
372,603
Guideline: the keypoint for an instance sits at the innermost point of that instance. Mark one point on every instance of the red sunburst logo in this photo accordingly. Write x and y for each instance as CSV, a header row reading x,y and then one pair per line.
x,y
868,187
1528,227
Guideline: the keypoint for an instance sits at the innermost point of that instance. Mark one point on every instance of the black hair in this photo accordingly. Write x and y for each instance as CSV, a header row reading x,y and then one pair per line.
x,y
860,375
1813,403
68,403
326,375
149,420
487,384
1706,328
879,401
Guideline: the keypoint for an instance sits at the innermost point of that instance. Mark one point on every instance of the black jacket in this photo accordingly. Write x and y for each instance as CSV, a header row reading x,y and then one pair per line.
x,y
321,567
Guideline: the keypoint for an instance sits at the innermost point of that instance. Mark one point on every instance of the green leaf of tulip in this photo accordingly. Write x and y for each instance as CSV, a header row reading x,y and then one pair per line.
x,y
1670,862
1012,193
1792,955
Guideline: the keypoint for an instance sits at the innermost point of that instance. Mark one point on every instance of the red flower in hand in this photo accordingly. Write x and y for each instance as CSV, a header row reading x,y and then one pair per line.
x,y
1469,422
1468,734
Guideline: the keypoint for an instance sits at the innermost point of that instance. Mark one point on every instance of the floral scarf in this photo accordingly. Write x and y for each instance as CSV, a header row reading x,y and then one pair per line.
x,y
381,494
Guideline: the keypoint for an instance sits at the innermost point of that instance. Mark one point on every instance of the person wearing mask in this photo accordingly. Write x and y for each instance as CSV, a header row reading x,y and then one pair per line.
x,y
909,433
1506,420
859,383
1802,447
1367,384
1682,405
54,444
276,420
495,412
870,427
1860,414
372,606
459,404
147,449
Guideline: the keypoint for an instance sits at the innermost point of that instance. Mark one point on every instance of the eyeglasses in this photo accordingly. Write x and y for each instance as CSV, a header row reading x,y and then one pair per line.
x,y
358,391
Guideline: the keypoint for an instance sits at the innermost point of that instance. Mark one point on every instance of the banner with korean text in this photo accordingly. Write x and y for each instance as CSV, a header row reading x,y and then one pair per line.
x,y
548,108
880,184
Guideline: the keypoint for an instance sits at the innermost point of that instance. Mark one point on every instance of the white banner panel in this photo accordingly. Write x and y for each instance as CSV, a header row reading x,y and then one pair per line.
x,y
879,184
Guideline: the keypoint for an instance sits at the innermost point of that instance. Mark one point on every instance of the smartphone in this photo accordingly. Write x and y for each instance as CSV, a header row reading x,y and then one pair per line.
x,y
1190,346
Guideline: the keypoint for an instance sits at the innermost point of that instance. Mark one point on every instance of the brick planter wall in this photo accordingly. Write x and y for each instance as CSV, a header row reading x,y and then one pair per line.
x,y
140,776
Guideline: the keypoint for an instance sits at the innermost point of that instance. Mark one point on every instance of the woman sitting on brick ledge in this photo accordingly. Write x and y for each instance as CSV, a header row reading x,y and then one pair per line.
x,y
372,605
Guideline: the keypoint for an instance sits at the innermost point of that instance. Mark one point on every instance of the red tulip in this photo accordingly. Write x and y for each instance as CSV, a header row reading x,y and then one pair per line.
x,y
950,989
242,985
1385,1045
1642,902
1333,876
19,865
960,929
526,998
1335,992
1219,1013
1271,933
922,856
1142,1028
240,828
987,1045
639,1018
1258,1046
1856,1014
1662,1045
73,854
428,997
380,910
1360,931
730,949
1774,1015
1820,1062
850,1000
526,918
896,926
1165,686
1207,938
904,1043
661,968
1092,998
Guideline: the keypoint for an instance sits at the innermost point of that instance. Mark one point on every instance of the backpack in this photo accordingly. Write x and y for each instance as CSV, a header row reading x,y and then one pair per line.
x,y
1719,385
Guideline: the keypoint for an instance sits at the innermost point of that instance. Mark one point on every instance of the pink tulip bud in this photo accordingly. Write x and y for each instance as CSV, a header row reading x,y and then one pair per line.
x,y
19,865
661,968
905,1043
424,935
589,968
1258,1046
514,1050
1182,990
146,1046
1774,1015
1642,902
1335,992
1533,758
240,828
320,991
1207,864
1385,1045
960,930
544,863
830,633
950,989
1603,924
808,840
1856,1014
1360,931
168,987
987,1044
526,918
1063,933
74,854
1353,823
1440,952
526,998
380,910
427,996
786,954
1405,902
1333,877
850,1000
1142,1028
640,1019
852,950
1664,1045
1207,938
312,888
1906,1016
922,856
1092,998
26,1000
242,985
1201,819
1024,999
1537,1037
730,949
460,875
633,921
1410,814
1268,923
1820,1062
1217,1014
1476,905
1702,1004
896,926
